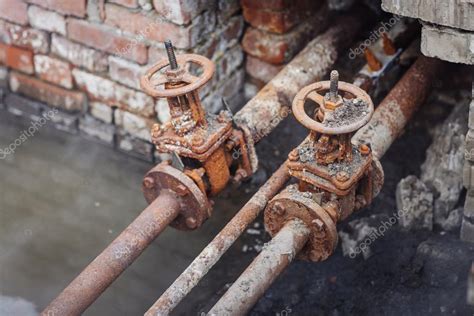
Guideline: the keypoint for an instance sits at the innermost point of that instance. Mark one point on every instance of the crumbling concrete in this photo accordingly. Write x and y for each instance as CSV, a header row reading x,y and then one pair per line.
x,y
414,197
447,43
443,167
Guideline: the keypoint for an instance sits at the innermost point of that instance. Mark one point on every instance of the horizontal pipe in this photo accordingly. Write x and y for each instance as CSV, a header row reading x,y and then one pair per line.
x,y
262,272
398,107
219,245
120,254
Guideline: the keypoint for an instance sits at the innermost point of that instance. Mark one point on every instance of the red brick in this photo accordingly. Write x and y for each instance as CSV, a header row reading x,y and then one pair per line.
x,y
24,37
126,3
114,94
16,58
46,93
106,39
53,70
261,70
46,20
70,7
268,4
271,21
180,11
126,72
78,54
14,11
277,48
153,28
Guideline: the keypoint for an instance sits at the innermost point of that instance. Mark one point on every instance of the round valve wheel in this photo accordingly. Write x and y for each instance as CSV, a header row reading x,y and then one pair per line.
x,y
312,92
154,79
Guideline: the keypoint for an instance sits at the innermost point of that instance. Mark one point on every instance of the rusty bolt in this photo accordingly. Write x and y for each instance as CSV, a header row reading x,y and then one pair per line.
x,y
197,140
364,149
149,182
181,190
191,222
342,176
334,79
372,61
294,155
279,209
318,223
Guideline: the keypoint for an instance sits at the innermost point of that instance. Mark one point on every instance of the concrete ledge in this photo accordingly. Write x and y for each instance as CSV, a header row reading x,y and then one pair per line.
x,y
448,44
452,13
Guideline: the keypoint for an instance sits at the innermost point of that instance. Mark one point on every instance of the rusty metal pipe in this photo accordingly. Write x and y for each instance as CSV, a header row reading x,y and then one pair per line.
x,y
388,121
219,245
264,269
121,253
399,105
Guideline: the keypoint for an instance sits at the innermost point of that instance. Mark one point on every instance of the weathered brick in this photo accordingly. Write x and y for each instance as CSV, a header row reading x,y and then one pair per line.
x,y
16,58
180,11
97,130
158,52
53,70
21,106
126,72
101,111
126,3
153,28
469,205
271,21
261,70
95,10
228,89
79,55
267,4
162,110
66,122
69,7
133,124
114,94
14,11
469,146
226,8
231,60
25,37
135,147
46,93
106,39
279,49
46,20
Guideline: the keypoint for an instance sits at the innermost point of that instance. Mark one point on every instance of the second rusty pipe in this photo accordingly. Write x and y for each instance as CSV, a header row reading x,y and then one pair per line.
x,y
120,254
264,269
406,97
398,107
219,245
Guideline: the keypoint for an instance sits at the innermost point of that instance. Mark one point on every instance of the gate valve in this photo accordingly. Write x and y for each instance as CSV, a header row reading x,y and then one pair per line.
x,y
203,142
334,176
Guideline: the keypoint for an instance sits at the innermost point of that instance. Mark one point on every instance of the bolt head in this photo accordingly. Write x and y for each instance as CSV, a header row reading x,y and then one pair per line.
x,y
191,222
181,190
149,182
364,149
342,176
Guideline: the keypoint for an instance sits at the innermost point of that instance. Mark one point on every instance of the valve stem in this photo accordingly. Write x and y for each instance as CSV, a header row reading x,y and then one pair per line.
x,y
171,55
334,77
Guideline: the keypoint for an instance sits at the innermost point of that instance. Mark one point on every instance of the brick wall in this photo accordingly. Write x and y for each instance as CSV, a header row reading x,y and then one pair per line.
x,y
278,30
85,57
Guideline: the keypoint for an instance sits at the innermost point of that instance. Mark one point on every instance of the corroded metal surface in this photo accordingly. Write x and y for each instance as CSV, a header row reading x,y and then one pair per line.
x,y
219,245
399,106
107,266
266,267
271,105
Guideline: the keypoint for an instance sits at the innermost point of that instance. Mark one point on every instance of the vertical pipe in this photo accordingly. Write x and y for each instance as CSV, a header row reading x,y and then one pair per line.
x,y
262,272
121,253
219,245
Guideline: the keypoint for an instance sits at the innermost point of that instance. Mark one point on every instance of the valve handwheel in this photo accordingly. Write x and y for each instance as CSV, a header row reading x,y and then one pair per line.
x,y
312,92
154,80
